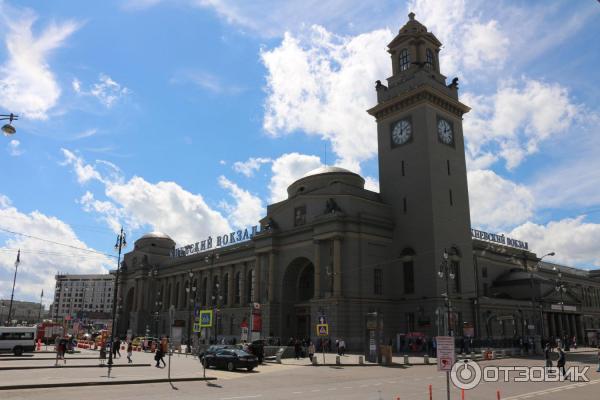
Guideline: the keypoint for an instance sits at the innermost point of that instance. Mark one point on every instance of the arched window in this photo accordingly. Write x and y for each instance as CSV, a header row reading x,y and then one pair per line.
x,y
429,59
216,291
404,60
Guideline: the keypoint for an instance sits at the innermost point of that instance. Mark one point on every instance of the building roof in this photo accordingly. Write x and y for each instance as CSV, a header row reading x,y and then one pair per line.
x,y
328,170
155,235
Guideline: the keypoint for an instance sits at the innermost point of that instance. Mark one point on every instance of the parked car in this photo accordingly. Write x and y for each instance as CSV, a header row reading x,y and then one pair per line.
x,y
231,359
212,349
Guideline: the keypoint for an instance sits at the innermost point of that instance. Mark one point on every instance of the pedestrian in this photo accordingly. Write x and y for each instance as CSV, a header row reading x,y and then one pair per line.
x,y
311,351
342,344
164,348
157,356
547,355
102,353
117,350
561,361
297,349
129,351
575,342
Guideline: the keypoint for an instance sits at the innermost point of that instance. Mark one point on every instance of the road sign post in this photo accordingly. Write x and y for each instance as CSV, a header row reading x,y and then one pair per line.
x,y
445,357
323,331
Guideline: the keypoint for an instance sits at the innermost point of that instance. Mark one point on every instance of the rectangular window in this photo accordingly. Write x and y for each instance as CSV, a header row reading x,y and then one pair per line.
x,y
404,204
402,167
299,216
448,166
410,322
377,281
455,265
409,277
451,201
484,272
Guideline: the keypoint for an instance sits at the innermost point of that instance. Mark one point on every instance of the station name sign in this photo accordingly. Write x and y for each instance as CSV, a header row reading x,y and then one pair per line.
x,y
219,241
501,239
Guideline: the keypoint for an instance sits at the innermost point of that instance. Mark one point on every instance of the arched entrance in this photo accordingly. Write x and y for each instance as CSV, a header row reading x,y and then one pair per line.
x,y
297,291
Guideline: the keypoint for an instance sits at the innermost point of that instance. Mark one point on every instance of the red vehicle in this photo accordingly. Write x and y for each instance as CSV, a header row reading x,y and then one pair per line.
x,y
52,329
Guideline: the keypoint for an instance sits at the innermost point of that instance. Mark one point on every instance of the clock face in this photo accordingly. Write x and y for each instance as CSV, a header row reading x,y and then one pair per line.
x,y
445,132
401,132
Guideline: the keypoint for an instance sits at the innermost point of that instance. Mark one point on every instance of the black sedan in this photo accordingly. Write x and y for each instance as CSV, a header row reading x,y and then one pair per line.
x,y
231,359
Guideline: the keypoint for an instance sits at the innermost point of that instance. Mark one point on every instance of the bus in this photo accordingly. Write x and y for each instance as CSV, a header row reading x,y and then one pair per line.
x,y
17,339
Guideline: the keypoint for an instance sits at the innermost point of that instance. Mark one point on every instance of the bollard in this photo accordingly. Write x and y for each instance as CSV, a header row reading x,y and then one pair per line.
x,y
426,359
497,394
314,361
430,393
361,360
472,355
337,360
278,358
406,362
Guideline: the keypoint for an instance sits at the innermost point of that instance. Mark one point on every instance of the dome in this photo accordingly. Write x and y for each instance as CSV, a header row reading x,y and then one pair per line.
x,y
327,170
325,177
156,235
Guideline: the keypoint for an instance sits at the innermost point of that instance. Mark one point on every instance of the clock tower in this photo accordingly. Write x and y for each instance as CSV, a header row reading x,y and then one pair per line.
x,y
422,170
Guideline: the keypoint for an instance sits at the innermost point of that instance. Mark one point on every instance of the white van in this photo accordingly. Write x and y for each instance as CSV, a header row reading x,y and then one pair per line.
x,y
17,339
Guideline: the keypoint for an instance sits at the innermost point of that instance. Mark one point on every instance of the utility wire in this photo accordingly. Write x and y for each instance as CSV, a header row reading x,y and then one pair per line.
x,y
57,243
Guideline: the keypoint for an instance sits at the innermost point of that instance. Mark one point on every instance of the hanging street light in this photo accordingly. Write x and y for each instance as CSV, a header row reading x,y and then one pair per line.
x,y
8,129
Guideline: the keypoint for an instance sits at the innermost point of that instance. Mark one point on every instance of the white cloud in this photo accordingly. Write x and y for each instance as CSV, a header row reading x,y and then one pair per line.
x,y
470,42
371,184
137,203
14,148
497,203
513,122
40,260
86,133
287,169
574,240
250,166
84,172
107,91
27,83
322,84
247,209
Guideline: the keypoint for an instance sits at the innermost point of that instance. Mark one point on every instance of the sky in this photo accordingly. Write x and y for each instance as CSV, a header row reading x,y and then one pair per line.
x,y
189,117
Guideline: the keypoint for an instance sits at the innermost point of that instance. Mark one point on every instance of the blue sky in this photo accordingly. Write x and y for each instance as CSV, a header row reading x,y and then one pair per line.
x,y
189,117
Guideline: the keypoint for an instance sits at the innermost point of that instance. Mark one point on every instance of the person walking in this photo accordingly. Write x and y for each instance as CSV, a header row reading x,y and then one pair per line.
x,y
164,348
342,347
117,350
129,352
297,349
561,362
311,351
547,355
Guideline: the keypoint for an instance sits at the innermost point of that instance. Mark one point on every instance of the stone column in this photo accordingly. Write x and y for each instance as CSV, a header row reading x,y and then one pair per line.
x,y
271,276
560,325
257,273
230,288
317,265
243,285
552,324
337,267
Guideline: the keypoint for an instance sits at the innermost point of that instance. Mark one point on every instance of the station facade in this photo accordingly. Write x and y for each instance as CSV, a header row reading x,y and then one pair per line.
x,y
407,255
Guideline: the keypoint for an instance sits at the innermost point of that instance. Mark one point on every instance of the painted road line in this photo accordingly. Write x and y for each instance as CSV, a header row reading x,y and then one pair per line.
x,y
545,391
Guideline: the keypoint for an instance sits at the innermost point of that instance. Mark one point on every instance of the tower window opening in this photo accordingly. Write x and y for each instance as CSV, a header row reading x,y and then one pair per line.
x,y
404,205
404,60
429,59
451,200
402,167
448,166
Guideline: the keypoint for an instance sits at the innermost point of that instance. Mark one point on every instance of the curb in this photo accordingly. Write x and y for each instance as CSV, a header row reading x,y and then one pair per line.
x,y
71,366
103,383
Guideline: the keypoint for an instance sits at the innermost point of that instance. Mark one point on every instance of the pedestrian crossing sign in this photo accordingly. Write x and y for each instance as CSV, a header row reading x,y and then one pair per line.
x,y
196,326
322,330
206,318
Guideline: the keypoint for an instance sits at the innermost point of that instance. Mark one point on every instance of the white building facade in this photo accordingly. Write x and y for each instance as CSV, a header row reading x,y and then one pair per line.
x,y
83,296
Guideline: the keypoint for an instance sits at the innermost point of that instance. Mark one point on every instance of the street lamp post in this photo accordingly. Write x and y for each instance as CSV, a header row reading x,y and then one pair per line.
x,y
533,307
216,304
446,272
561,287
8,129
190,289
40,310
121,243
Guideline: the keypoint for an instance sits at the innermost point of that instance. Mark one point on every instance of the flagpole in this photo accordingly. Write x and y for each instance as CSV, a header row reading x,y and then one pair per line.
x,y
12,295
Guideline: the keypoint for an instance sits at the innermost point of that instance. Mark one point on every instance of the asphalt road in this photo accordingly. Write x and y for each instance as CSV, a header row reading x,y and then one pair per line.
x,y
309,382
